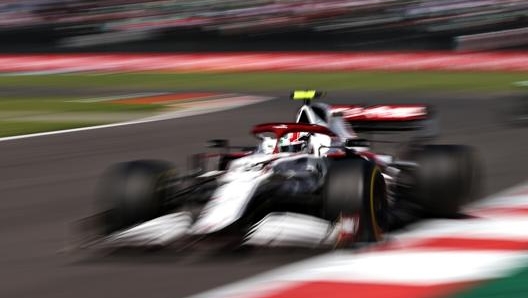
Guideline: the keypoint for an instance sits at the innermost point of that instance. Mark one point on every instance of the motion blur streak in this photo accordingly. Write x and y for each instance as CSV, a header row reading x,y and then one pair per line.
x,y
48,182
419,262
128,25
285,61
42,193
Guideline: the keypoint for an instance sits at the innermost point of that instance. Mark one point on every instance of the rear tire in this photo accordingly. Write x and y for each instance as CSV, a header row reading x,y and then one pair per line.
x,y
131,193
356,188
447,177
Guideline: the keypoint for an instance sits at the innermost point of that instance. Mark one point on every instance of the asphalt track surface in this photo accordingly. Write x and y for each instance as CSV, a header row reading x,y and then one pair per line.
x,y
47,183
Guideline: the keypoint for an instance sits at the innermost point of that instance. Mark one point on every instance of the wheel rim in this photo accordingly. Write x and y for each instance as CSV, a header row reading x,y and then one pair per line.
x,y
377,204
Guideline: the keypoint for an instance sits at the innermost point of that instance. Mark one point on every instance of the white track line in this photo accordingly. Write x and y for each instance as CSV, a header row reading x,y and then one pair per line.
x,y
162,117
118,97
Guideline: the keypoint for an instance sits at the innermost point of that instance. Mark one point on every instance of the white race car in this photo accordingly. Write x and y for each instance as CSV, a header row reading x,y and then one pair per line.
x,y
313,182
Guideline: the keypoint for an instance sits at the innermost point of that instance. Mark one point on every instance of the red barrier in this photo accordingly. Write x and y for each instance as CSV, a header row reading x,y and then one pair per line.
x,y
234,62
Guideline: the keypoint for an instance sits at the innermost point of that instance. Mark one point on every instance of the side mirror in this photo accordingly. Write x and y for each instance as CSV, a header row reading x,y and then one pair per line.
x,y
357,143
217,143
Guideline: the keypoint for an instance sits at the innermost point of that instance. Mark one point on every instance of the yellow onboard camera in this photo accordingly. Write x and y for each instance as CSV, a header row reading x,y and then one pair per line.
x,y
306,95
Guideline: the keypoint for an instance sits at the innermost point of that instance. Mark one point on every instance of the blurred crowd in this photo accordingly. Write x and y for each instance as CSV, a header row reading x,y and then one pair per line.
x,y
258,15
234,17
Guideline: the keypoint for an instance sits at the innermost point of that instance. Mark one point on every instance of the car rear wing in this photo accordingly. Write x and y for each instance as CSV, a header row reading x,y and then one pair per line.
x,y
387,118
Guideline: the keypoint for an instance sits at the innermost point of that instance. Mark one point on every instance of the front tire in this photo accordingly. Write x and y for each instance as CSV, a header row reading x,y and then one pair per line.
x,y
355,188
130,193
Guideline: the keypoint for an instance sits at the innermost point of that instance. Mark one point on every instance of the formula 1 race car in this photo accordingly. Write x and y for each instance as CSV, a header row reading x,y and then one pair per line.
x,y
314,182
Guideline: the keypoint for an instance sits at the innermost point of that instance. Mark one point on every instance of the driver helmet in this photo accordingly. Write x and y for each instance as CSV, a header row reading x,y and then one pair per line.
x,y
293,142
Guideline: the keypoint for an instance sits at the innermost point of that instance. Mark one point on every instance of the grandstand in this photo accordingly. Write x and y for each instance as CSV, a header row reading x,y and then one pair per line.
x,y
345,24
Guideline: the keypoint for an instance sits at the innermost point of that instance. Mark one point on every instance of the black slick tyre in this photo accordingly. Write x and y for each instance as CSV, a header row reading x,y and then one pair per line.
x,y
355,188
130,193
444,179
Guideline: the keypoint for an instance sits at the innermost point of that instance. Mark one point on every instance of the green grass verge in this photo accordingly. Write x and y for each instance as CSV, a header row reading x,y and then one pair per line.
x,y
237,82
367,80
62,113
10,128
514,286
69,105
